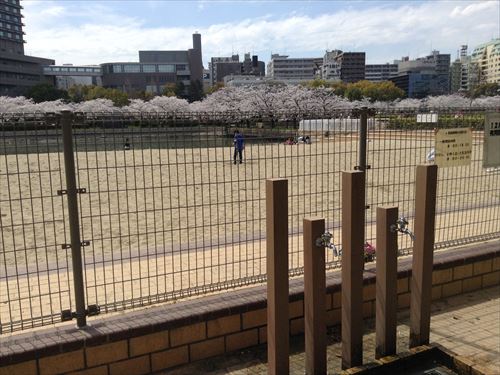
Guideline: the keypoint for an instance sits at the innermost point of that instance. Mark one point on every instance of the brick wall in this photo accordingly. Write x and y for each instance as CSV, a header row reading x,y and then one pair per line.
x,y
140,342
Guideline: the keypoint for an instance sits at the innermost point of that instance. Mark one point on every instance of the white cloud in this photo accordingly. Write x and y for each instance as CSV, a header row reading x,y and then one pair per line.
x,y
74,32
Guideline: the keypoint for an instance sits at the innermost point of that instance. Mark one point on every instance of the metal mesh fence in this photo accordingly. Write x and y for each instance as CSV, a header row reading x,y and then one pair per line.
x,y
169,211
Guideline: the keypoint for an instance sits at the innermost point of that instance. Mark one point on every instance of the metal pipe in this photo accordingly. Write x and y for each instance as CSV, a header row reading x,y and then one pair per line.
x,y
74,224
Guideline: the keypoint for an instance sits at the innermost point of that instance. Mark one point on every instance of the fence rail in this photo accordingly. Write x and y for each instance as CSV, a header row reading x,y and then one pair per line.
x,y
164,213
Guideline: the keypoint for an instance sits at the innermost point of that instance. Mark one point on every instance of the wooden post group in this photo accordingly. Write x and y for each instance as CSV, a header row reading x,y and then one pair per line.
x,y
277,276
423,247
353,234
314,297
386,300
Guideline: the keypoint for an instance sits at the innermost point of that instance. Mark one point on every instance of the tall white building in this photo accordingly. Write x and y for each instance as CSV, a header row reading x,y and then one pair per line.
x,y
284,68
331,68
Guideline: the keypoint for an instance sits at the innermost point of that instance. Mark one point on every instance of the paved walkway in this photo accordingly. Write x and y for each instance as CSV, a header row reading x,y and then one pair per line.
x,y
468,325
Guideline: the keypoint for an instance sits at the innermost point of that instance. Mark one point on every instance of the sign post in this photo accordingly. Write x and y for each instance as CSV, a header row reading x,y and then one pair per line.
x,y
491,150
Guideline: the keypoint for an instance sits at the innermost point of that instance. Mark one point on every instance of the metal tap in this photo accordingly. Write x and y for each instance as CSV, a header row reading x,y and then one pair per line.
x,y
325,241
402,227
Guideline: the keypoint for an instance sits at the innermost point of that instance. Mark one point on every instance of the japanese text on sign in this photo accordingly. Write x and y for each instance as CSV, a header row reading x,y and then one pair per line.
x,y
453,147
491,157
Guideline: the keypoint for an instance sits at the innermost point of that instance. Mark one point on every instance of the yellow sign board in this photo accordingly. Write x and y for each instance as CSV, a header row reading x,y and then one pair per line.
x,y
453,147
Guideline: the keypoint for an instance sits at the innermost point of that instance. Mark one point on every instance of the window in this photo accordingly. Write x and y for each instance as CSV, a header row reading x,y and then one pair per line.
x,y
80,69
131,68
164,68
180,67
149,68
116,68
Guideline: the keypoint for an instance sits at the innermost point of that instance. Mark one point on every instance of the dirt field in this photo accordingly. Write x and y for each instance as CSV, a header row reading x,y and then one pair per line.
x,y
165,223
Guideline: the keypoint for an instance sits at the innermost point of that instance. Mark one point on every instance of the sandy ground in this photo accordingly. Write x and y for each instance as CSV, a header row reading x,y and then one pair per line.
x,y
169,223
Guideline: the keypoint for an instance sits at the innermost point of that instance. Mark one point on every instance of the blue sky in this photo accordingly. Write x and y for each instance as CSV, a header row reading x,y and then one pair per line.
x,y
93,32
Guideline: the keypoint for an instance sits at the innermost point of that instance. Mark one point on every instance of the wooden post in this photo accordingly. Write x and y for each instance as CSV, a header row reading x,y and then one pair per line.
x,y
277,275
423,247
314,297
386,282
353,234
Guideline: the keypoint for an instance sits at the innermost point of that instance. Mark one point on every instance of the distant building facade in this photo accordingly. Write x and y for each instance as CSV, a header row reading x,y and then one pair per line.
x,y
221,67
67,76
282,67
18,72
487,58
156,69
424,76
330,69
352,66
342,66
380,72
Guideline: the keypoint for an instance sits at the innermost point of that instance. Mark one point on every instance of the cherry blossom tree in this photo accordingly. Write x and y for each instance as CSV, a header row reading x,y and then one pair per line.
x,y
232,103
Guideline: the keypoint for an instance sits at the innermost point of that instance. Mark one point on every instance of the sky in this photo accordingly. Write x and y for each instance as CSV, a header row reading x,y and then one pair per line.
x,y
95,32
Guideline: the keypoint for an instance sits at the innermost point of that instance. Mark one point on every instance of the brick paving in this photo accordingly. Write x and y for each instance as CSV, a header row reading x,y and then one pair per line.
x,y
468,325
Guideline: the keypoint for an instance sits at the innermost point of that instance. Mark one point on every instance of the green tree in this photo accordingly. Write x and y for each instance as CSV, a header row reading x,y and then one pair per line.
x,y
485,89
316,83
80,93
170,89
195,91
45,92
339,88
141,94
353,92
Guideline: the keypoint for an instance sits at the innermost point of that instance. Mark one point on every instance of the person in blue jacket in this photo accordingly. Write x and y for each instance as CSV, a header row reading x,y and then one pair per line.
x,y
239,145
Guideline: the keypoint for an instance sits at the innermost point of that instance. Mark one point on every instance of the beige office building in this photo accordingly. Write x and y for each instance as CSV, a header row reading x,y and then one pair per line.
x,y
487,58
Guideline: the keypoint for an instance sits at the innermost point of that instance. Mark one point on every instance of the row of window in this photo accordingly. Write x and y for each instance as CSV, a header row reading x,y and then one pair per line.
x,y
11,9
8,17
6,34
71,69
26,77
9,26
13,2
145,68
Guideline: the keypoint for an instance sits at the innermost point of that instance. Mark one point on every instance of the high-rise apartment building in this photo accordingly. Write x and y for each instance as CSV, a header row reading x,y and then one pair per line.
x,y
330,69
487,58
18,72
352,66
343,66
463,72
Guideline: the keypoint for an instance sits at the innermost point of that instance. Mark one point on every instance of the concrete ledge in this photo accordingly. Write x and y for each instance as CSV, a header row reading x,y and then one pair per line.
x,y
165,336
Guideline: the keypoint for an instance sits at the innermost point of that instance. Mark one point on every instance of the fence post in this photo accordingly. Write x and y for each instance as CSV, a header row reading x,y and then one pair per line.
x,y
363,134
353,234
277,275
386,282
421,276
314,297
74,224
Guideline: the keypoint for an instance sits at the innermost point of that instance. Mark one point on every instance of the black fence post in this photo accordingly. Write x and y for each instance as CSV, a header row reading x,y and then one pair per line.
x,y
363,134
74,224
